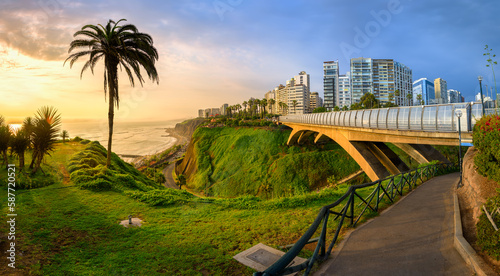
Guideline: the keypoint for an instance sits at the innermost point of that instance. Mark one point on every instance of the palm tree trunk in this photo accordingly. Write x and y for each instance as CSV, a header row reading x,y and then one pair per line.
x,y
33,159
21,160
112,69
111,116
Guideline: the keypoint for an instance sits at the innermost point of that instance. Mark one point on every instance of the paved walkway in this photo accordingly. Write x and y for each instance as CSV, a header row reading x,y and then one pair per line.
x,y
169,179
414,237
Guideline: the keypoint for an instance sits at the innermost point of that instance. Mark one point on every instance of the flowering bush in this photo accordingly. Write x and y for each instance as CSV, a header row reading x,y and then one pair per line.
x,y
486,139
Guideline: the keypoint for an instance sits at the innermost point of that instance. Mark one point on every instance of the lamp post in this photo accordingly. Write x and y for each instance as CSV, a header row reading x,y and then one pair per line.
x,y
458,113
480,78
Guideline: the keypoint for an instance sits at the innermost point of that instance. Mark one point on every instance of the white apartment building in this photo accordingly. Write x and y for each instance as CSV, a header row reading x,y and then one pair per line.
x,y
344,91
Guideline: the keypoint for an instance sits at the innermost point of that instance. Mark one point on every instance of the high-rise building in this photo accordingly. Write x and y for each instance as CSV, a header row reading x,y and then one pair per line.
x,y
296,89
403,82
454,96
441,88
271,95
425,88
361,78
315,101
384,78
298,93
330,84
223,109
201,113
344,95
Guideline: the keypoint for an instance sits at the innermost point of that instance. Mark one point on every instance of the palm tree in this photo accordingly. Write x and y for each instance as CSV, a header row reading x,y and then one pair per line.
x,y
294,102
45,133
257,104
19,143
64,135
263,104
250,105
271,104
409,97
245,103
118,45
238,107
419,99
285,108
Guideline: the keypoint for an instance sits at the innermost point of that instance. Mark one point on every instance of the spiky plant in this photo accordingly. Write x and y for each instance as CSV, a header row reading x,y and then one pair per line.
x,y
44,136
19,143
118,45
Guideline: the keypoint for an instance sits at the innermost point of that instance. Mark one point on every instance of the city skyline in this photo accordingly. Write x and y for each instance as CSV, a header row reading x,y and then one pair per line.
x,y
228,51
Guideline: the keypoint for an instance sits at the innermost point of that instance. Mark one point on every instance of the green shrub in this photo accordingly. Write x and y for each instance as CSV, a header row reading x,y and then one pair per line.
x,y
88,170
162,197
97,184
487,238
38,180
486,138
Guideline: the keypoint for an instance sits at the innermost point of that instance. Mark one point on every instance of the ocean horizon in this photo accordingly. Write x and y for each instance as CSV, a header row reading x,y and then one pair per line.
x,y
129,138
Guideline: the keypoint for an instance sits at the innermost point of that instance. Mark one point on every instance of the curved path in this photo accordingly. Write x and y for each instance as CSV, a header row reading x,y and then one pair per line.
x,y
169,180
413,237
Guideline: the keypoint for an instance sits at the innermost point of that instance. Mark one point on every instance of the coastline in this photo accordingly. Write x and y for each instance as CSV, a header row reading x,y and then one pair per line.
x,y
179,140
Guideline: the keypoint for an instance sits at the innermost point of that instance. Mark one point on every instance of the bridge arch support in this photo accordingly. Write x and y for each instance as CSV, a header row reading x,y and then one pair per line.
x,y
374,157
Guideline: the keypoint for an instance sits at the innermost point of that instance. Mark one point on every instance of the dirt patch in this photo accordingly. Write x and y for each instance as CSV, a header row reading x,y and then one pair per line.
x,y
475,191
65,174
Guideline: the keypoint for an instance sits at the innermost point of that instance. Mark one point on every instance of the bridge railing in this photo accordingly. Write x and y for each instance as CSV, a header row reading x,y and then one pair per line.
x,y
351,207
430,118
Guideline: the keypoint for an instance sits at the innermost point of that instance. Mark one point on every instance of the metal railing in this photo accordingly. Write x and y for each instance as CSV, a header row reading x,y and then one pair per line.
x,y
429,118
388,188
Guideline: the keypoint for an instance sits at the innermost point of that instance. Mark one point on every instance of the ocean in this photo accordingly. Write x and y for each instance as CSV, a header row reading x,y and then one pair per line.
x,y
129,138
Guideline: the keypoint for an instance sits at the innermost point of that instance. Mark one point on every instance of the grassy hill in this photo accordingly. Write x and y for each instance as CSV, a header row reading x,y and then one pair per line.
x,y
71,228
230,162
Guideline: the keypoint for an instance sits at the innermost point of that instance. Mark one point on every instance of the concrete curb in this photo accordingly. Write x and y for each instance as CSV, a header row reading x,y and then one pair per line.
x,y
463,247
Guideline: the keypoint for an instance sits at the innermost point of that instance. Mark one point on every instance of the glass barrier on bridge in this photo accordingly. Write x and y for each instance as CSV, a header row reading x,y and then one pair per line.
x,y
432,118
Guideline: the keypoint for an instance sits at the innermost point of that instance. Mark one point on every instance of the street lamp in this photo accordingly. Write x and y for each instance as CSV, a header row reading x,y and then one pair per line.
x,y
458,113
481,89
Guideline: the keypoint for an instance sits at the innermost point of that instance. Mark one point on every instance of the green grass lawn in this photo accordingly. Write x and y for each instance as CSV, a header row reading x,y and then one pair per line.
x,y
64,230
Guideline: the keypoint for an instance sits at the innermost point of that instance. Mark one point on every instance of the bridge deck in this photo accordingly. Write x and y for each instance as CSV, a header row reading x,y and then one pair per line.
x,y
414,237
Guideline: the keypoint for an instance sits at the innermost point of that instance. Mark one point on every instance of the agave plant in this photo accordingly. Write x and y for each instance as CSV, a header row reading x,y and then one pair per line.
x,y
45,133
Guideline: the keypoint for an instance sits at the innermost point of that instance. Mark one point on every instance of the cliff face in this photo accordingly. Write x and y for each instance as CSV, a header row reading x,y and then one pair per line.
x,y
231,162
187,128
187,165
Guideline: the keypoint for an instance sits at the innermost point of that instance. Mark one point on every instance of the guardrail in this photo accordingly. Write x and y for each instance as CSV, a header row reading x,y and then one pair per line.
x,y
389,188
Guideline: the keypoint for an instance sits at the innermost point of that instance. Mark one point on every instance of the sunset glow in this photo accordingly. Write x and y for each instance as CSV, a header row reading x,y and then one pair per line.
x,y
209,56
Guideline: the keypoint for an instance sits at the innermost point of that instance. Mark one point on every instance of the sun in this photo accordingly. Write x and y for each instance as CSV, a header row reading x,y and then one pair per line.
x,y
15,127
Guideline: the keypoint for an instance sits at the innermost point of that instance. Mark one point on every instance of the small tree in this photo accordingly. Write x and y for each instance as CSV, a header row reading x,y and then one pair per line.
x,y
419,99
491,62
409,97
294,103
181,180
64,135
319,109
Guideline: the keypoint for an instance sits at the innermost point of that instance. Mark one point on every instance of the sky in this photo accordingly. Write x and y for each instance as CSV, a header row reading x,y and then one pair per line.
x,y
225,51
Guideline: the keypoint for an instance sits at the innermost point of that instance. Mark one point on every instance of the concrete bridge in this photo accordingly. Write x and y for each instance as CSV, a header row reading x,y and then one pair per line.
x,y
364,133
